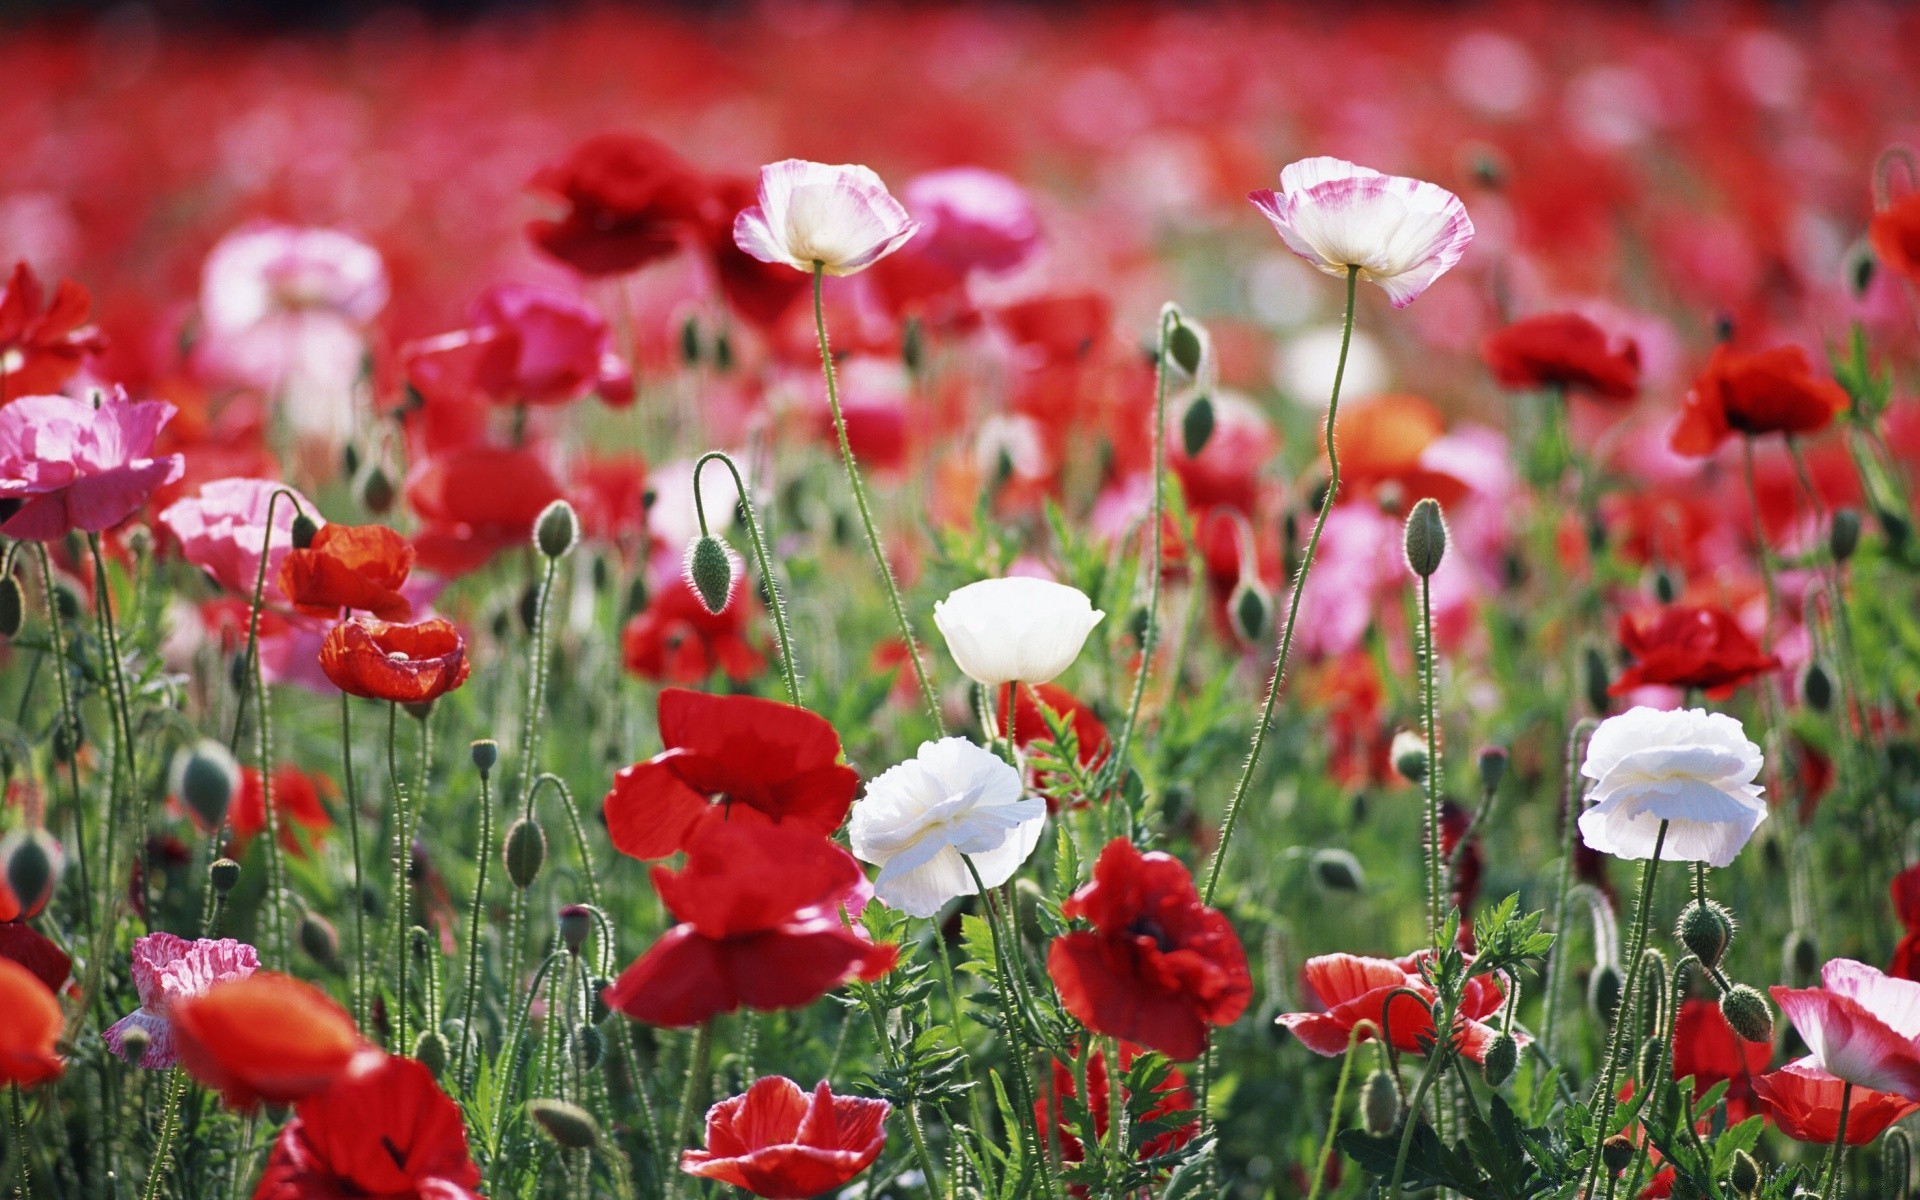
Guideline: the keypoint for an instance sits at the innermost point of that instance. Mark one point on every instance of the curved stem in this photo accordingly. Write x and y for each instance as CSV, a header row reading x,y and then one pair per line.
x,y
473,921
1151,638
1360,1028
1293,607
1569,804
866,514
789,672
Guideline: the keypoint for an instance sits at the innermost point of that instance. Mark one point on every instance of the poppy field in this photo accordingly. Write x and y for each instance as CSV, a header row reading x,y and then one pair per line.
x,y
962,603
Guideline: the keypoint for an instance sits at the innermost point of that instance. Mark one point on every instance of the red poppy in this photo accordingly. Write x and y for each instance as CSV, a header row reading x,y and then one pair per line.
x,y
23,944
1772,391
630,201
475,501
1689,646
1351,988
779,1142
1895,235
1173,1096
760,918
1158,967
1706,1048
676,640
1029,725
1563,350
32,1027
1804,1101
358,567
41,347
760,292
1058,328
296,802
267,1038
409,664
610,495
388,1132
764,760
1906,906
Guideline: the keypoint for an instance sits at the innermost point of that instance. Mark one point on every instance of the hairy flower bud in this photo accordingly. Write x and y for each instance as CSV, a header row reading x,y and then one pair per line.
x,y
576,922
1743,1174
1251,608
305,529
1652,1051
1617,1153
486,754
1493,767
376,491
1337,870
1706,930
1185,345
223,875
32,863
13,606
68,737
1426,538
526,852
1503,1055
709,568
569,1125
134,1040
1410,756
1800,957
319,939
1843,534
556,529
431,1049
1747,1013
205,778
1379,1103
1196,425
1816,686
1603,991
587,1044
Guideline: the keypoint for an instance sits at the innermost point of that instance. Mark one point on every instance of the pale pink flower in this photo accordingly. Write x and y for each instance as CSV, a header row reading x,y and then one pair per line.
x,y
838,218
166,970
223,529
973,219
1402,233
73,466
1860,1025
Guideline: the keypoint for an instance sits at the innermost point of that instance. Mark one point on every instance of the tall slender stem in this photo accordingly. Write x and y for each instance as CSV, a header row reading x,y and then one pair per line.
x,y
123,714
699,1059
1839,1146
1619,1040
402,879
1151,638
70,718
1436,869
1563,893
1293,606
859,490
789,672
473,920
353,841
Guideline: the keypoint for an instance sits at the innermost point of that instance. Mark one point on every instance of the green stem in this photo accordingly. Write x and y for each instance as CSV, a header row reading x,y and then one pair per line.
x,y
70,718
1760,542
123,714
467,1034
1360,1028
169,1125
402,879
1150,640
699,1063
1436,1057
361,1012
1436,870
1561,950
789,672
1839,1146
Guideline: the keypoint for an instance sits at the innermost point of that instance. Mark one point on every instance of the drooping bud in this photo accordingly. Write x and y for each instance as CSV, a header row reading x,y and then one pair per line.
x,y
1800,957
1603,991
568,1125
1651,1052
1426,540
1743,1174
419,710
1493,767
1196,425
1843,535
1503,1055
599,1010
1251,608
913,346
1337,870
1185,345
1860,270
1706,930
134,1040
1379,1103
431,1049
1747,1013
223,875
1816,686
305,529
690,341
1410,756
526,852
205,777
319,939
33,860
722,351
13,606
586,1045
68,737
1665,588
556,529
376,491
1617,1153
709,568
486,753
576,922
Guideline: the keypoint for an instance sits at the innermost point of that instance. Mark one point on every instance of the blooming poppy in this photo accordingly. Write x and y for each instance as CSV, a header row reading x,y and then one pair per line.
x,y
389,1132
812,216
761,926
1689,646
358,567
1860,1025
1158,966
27,946
1895,236
1906,906
71,466
777,1141
267,1038
1172,1095
1804,1101
408,664
1563,350
1030,726
523,345
1351,988
475,501
223,529
1772,391
1015,628
42,343
676,640
1680,781
32,1027
1706,1050
630,201
166,970
765,761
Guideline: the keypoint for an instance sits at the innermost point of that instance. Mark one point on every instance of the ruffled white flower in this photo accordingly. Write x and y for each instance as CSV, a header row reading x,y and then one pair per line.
x,y
1691,768
922,820
839,218
1015,629
1402,233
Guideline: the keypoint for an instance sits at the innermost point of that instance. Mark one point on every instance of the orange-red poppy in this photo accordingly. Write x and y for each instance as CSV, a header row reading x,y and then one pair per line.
x,y
358,567
381,660
31,1028
267,1038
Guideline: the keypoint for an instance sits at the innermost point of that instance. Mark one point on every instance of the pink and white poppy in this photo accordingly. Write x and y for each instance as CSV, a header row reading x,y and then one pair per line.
x,y
525,345
1860,1026
974,219
840,219
222,529
77,467
1402,233
166,970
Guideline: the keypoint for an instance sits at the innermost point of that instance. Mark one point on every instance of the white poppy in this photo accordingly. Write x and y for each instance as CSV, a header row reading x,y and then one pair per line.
x,y
839,218
1693,769
1015,629
1402,233
919,819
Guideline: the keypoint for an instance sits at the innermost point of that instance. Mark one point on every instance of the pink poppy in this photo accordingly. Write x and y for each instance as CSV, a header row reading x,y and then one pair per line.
x,y
223,529
524,345
166,970
1860,1026
68,465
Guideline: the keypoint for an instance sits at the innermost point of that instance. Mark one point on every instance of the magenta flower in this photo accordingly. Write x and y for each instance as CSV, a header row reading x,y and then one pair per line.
x,y
1402,233
167,970
974,219
222,529
841,219
67,465
526,345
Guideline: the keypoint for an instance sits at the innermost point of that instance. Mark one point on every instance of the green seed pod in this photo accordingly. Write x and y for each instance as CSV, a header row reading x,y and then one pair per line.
x,y
569,1125
556,529
486,754
1617,1154
526,852
1379,1104
223,875
1816,686
1706,930
576,923
1746,1011
1251,607
1503,1055
1410,756
320,940
1337,870
1493,767
205,778
430,1049
13,606
1196,425
1426,538
1596,679
1843,535
587,1045
305,529
1743,1174
709,568
1603,991
1185,345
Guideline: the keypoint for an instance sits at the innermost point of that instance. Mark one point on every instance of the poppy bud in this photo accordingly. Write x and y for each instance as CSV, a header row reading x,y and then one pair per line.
x,y
1743,1175
1493,767
1503,1055
556,529
138,539
420,710
1861,266
486,753
526,852
1617,1153
1196,425
599,1010
587,1045
567,1124
376,491
1593,675
1337,870
1185,345
1706,930
1665,588
319,939
1843,535
1893,527
12,606
305,529
1251,608
1379,1103
68,737
134,1041
1603,991
1426,541
576,922
1747,1013
205,777
430,1050
690,341
223,875
709,569
722,351
1410,756
1800,957
913,346
31,868
1816,686
1651,1052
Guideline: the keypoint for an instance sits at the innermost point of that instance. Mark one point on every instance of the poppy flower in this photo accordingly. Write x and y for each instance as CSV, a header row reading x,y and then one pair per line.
x,y
267,1038
24,944
1689,646
675,639
1861,1026
760,925
763,760
1906,906
523,345
32,1027
630,201
1383,444
808,215
1772,391
1158,966
223,528
1351,988
359,567
1687,771
296,802
1030,726
71,466
1706,1049
42,343
1563,350
1804,1101
1173,1098
777,1141
475,501
388,1132
1895,236
167,970
1015,628
408,664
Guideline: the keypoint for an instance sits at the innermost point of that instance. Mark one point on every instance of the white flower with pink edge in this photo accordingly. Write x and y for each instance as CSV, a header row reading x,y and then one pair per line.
x,y
840,219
